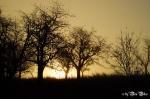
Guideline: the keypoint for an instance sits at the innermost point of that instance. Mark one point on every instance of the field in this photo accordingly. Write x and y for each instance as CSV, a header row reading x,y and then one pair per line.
x,y
96,87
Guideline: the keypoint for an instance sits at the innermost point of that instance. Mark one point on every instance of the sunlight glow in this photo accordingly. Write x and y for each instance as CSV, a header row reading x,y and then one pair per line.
x,y
58,74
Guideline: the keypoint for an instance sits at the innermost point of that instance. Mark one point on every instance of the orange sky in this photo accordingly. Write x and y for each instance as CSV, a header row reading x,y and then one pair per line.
x,y
107,17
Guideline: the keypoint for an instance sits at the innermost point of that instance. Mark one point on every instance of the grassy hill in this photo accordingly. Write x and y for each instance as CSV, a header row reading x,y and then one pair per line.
x,y
96,87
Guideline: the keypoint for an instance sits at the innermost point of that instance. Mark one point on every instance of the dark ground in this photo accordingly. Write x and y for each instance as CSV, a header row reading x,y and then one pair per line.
x,y
97,87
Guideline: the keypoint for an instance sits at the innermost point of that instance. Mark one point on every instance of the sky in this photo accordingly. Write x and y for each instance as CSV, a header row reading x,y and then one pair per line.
x,y
107,17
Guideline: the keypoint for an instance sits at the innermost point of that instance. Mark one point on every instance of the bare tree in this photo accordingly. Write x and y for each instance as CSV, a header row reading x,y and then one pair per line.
x,y
85,49
123,54
64,59
45,29
7,48
10,47
63,65
144,56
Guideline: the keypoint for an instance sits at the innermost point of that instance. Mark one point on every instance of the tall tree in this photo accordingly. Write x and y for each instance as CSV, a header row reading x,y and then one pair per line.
x,y
45,29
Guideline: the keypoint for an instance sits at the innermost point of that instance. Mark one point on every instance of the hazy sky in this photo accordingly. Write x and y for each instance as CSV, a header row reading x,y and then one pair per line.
x,y
108,17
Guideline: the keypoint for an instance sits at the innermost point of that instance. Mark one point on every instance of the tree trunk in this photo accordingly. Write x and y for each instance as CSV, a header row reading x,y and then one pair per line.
x,y
66,75
40,72
78,73
82,74
146,71
20,72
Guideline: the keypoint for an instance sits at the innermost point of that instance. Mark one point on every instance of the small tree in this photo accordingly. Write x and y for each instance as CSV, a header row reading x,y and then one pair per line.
x,y
144,56
123,54
85,68
63,65
64,59
85,49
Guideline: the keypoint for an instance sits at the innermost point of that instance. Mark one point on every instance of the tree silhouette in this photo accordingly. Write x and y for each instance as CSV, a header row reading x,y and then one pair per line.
x,y
63,65
123,54
45,29
64,59
10,48
144,57
85,68
84,49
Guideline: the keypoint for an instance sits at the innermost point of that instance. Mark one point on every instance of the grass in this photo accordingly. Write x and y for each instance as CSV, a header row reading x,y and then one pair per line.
x,y
95,87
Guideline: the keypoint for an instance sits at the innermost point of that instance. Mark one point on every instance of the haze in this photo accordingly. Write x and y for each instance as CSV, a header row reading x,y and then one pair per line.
x,y
107,17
